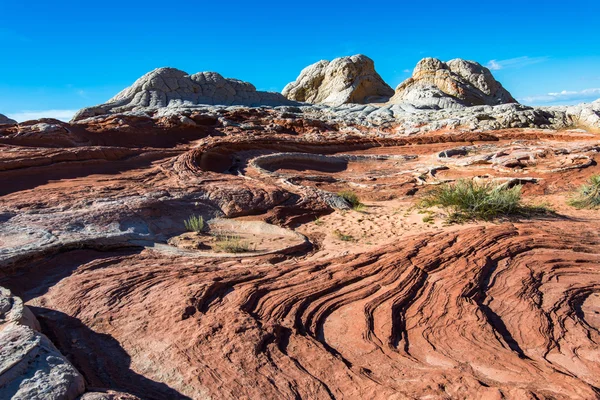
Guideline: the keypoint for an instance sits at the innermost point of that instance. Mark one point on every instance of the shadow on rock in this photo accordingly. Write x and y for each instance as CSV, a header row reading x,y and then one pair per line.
x,y
99,357
35,279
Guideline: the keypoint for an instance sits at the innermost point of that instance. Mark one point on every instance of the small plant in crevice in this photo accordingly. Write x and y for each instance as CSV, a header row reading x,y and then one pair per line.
x,y
588,194
352,199
195,223
319,222
342,236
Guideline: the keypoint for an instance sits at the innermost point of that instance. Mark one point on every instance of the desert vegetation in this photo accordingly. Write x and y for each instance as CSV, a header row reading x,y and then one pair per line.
x,y
195,223
342,236
230,243
469,200
588,194
352,199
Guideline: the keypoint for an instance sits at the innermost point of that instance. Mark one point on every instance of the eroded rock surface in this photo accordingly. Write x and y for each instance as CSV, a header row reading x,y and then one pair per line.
x,y
30,366
169,87
382,303
457,83
343,80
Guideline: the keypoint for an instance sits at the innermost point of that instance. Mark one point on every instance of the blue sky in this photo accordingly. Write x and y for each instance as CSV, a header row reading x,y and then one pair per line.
x,y
59,56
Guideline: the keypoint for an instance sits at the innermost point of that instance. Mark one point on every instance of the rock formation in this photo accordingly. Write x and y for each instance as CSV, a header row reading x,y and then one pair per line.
x,y
457,83
329,302
170,87
425,306
343,80
30,366
435,98
5,120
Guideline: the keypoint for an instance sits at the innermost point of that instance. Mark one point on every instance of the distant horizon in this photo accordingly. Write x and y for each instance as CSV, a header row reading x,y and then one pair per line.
x,y
69,56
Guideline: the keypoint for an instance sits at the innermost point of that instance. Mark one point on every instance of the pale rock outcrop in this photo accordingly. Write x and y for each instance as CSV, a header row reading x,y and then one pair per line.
x,y
170,87
5,120
108,395
455,84
343,80
13,311
30,366
585,115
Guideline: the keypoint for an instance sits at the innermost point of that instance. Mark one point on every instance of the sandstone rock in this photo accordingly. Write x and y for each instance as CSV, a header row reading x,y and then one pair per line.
x,y
170,87
457,83
31,368
585,115
343,80
12,311
5,120
395,320
108,395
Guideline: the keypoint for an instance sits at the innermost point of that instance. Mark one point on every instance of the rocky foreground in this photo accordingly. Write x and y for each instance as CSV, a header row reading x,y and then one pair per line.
x,y
106,297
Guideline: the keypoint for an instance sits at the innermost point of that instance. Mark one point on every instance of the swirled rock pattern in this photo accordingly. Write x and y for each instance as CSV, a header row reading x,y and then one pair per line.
x,y
340,81
500,311
382,303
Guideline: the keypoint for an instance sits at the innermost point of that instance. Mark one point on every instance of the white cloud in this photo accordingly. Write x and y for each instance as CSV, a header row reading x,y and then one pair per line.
x,y
563,97
494,65
63,115
516,62
407,71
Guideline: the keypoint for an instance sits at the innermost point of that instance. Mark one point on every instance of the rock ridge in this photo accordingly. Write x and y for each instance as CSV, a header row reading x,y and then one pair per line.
x,y
170,87
5,120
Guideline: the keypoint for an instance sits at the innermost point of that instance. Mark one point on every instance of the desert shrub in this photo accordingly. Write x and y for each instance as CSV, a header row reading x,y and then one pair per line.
x,y
468,200
319,222
352,199
588,194
195,223
342,236
428,219
232,244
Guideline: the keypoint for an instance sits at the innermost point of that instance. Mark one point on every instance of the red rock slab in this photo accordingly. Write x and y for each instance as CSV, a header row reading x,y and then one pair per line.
x,y
485,312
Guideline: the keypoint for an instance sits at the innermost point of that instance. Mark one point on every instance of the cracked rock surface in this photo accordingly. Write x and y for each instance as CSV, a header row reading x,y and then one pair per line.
x,y
457,83
340,81
166,87
30,366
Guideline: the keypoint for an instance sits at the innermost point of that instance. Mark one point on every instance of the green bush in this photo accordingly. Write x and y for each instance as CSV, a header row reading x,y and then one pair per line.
x,y
428,219
468,200
588,195
352,199
194,223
